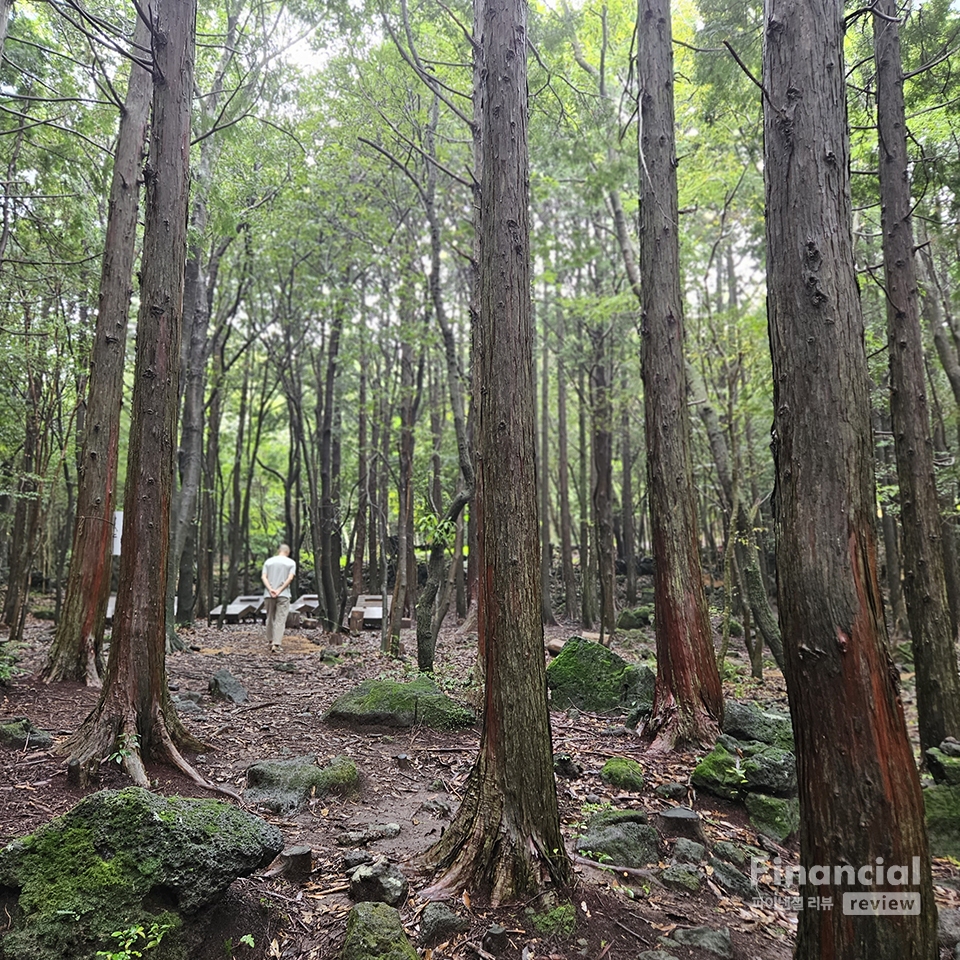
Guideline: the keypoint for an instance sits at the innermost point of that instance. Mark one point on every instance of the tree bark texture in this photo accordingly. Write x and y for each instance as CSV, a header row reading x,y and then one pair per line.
x,y
688,701
934,644
76,648
134,714
506,837
601,408
859,790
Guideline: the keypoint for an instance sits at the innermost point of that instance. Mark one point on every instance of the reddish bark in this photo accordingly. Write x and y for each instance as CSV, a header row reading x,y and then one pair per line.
x,y
688,699
75,654
859,790
506,837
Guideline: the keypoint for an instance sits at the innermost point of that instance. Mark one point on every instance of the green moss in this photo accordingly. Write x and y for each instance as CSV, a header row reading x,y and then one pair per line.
x,y
636,618
561,921
592,677
283,785
720,773
773,817
624,773
395,704
90,872
374,932
21,733
942,810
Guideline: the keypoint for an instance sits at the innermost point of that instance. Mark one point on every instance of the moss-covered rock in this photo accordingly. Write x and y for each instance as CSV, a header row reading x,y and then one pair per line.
x,y
284,785
21,734
942,807
374,932
391,703
680,877
720,772
943,767
636,618
125,858
620,837
773,817
624,773
732,769
590,676
747,721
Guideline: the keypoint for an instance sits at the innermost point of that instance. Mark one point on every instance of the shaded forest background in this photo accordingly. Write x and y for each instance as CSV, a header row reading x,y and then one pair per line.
x,y
329,281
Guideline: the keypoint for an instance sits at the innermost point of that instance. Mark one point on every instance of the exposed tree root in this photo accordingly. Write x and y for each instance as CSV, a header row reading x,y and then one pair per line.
x,y
484,849
114,735
671,728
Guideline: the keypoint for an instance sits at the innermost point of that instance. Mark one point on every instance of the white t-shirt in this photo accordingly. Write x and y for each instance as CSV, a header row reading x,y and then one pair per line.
x,y
276,570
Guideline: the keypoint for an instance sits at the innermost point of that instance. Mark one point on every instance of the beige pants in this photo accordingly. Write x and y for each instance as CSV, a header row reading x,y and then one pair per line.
x,y
277,609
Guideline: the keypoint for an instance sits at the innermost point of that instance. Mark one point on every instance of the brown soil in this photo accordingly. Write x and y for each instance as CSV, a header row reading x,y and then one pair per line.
x,y
618,916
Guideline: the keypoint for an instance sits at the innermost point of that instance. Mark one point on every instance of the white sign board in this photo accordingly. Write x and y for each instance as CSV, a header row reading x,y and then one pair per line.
x,y
117,531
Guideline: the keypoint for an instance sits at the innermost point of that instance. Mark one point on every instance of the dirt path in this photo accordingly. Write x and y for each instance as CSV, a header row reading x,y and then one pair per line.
x,y
412,778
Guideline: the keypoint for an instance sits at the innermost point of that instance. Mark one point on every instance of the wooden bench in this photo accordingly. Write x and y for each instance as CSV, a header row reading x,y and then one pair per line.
x,y
367,612
241,610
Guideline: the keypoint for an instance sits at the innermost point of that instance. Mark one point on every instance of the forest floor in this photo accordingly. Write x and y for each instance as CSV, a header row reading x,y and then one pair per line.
x,y
618,917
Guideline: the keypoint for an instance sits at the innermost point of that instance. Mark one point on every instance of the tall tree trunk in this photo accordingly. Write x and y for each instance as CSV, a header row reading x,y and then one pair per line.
x,y
587,585
601,409
427,623
626,497
543,473
235,536
934,643
134,713
506,837
860,799
75,653
563,484
328,547
688,701
363,481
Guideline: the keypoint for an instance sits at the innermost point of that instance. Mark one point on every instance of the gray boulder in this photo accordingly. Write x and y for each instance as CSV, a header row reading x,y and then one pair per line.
x,y
389,703
125,858
620,837
438,922
705,938
688,851
747,721
948,926
731,879
368,834
225,686
374,932
379,881
284,785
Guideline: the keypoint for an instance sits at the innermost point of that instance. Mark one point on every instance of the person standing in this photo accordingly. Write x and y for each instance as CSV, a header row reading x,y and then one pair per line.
x,y
277,575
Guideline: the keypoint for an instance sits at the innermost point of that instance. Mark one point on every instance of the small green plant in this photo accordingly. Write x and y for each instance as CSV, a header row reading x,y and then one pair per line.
x,y
434,529
9,658
129,941
246,940
127,745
